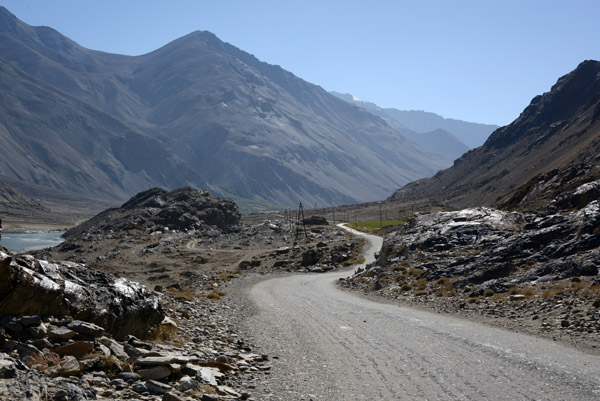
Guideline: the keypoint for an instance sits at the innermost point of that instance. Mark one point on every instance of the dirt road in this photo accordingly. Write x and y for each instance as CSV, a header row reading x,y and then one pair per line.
x,y
332,345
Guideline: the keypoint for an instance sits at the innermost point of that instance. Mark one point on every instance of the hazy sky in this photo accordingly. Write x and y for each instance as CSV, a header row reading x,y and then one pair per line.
x,y
479,61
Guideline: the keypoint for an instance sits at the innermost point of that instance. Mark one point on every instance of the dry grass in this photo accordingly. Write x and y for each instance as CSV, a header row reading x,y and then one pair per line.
x,y
421,284
528,291
227,276
354,261
215,295
415,272
181,294
553,292
591,292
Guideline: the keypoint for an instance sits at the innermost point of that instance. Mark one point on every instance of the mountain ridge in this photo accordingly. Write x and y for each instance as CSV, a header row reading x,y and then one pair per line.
x,y
47,126
249,127
558,130
471,134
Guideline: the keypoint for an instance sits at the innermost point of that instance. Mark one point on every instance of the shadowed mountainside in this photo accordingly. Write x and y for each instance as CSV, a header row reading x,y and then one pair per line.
x,y
557,131
251,129
53,140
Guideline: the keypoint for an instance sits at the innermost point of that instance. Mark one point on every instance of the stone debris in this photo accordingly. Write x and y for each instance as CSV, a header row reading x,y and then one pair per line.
x,y
205,359
515,265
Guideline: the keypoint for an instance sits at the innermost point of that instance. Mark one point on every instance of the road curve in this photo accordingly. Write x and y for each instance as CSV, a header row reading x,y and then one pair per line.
x,y
332,345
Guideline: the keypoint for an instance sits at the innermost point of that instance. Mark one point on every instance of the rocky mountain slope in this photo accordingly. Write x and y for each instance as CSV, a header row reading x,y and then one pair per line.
x,y
556,132
252,129
463,134
14,202
53,140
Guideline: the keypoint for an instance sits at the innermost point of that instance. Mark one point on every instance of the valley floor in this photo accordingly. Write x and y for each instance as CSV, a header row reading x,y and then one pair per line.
x,y
222,286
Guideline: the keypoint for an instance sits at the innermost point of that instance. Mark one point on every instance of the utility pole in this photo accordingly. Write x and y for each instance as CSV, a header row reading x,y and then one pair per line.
x,y
300,218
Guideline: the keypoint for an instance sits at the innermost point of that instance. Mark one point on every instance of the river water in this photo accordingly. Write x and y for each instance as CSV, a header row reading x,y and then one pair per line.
x,y
18,242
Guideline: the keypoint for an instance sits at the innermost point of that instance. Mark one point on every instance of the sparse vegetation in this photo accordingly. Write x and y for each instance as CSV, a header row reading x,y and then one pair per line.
x,y
371,226
354,261
215,295
182,294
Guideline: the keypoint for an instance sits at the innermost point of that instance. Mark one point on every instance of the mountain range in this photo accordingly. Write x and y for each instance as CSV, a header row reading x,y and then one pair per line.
x,y
412,124
552,147
198,112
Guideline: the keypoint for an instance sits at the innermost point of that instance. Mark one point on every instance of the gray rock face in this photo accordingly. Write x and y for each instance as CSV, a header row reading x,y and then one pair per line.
x,y
494,249
37,287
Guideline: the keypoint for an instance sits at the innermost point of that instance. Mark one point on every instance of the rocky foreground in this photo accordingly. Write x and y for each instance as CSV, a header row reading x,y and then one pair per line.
x,y
78,329
48,353
533,271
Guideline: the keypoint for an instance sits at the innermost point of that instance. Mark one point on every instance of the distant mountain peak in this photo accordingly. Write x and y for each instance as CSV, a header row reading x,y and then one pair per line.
x,y
469,133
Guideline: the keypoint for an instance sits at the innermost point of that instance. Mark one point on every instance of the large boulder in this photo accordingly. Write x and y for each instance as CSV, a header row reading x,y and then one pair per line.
x,y
31,286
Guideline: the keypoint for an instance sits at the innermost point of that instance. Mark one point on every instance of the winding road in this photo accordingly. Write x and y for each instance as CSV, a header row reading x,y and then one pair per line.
x,y
331,345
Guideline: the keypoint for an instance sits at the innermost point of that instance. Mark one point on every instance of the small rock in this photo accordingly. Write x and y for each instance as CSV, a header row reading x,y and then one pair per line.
x,y
86,328
69,367
7,369
29,321
104,349
88,364
156,387
171,397
115,348
77,349
129,376
60,334
155,373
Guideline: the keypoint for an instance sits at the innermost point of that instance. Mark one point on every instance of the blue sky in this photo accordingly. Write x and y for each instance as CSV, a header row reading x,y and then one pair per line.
x,y
479,61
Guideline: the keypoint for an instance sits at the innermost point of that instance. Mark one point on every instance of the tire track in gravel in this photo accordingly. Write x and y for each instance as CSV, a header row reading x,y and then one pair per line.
x,y
333,345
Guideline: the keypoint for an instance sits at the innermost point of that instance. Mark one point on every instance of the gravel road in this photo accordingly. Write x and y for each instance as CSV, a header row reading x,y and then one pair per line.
x,y
329,344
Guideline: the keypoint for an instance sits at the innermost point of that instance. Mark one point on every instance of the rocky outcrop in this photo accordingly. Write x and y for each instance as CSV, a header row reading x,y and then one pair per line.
x,y
567,188
557,134
65,289
500,264
158,210
495,249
